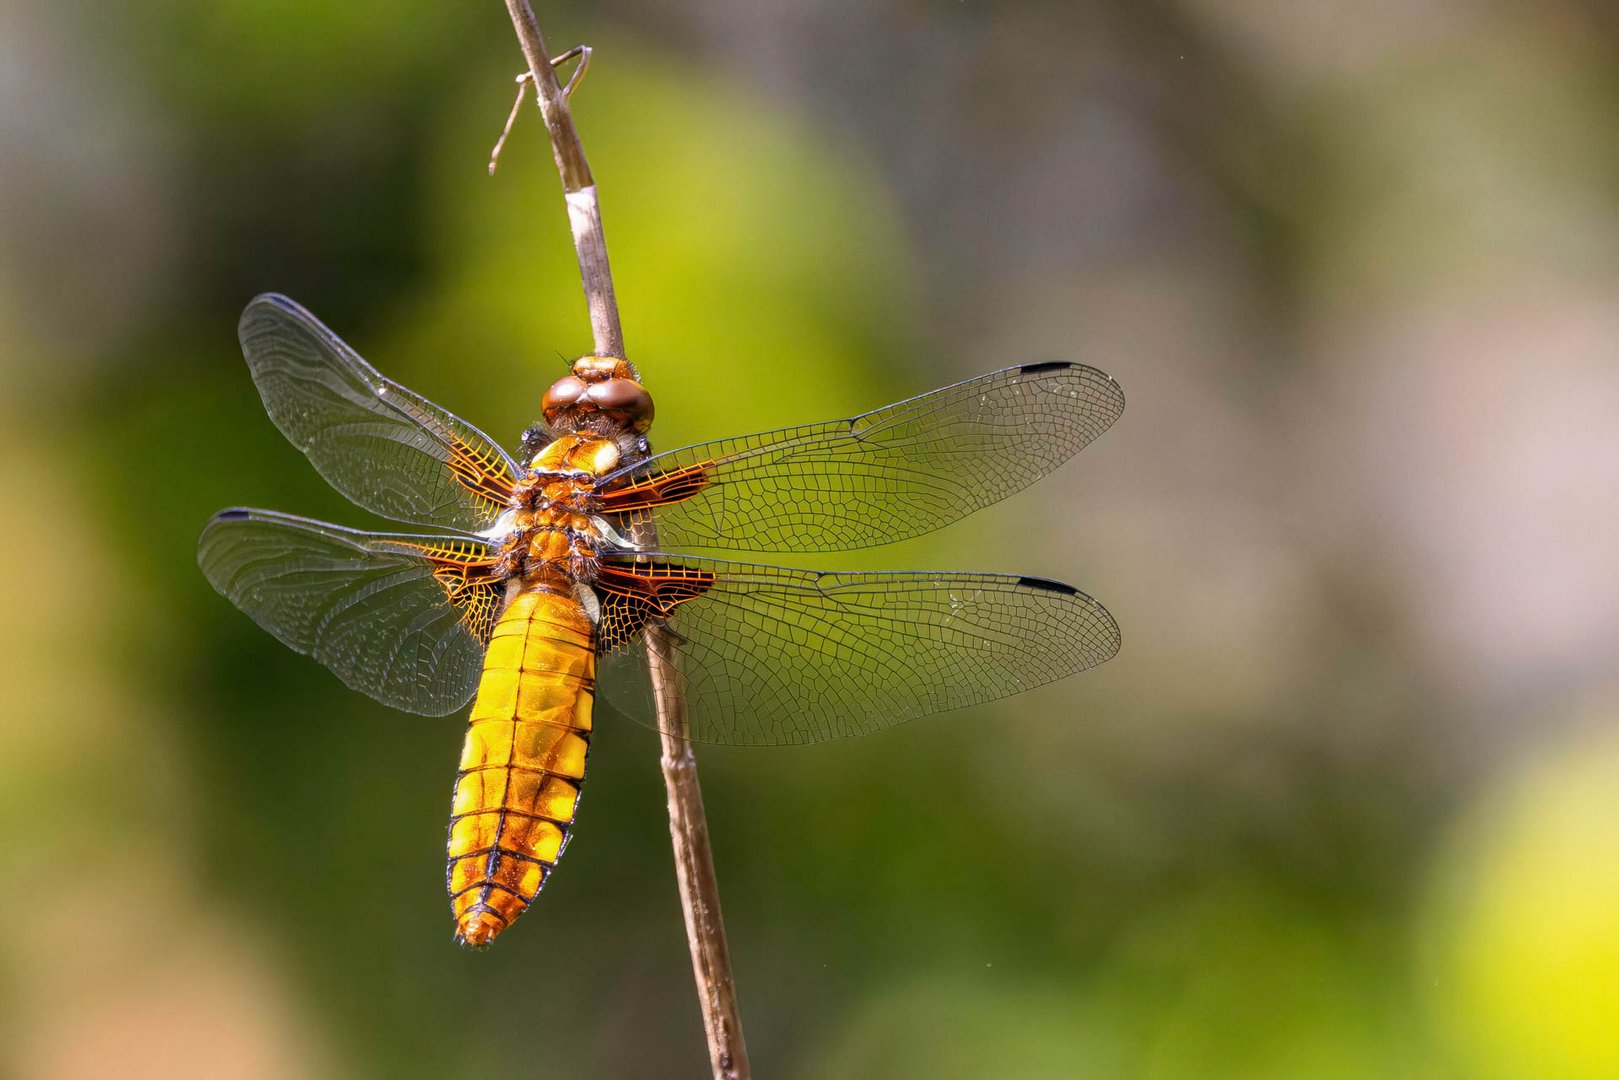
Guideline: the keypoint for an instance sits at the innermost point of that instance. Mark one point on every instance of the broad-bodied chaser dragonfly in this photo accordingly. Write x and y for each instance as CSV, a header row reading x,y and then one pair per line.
x,y
532,576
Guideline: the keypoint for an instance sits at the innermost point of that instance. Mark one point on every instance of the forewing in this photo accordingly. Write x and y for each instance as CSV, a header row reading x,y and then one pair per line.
x,y
386,448
404,619
882,476
765,655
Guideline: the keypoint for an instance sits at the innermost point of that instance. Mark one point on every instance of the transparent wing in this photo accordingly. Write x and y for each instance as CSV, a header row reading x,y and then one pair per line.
x,y
387,449
404,619
766,655
882,476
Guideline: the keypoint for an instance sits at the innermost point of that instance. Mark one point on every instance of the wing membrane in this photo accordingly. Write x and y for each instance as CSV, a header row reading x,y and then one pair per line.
x,y
882,476
386,448
404,619
766,655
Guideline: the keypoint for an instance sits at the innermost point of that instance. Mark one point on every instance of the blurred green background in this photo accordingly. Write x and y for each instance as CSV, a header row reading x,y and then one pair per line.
x,y
1346,805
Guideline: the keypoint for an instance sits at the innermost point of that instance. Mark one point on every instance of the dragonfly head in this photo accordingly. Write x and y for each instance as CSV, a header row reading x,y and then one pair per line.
x,y
600,389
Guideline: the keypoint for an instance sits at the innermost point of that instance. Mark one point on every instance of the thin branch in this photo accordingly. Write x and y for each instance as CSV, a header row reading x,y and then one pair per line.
x,y
578,186
694,869
688,824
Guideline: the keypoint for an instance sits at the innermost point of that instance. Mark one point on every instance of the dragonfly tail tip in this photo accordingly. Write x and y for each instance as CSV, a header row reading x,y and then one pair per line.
x,y
477,929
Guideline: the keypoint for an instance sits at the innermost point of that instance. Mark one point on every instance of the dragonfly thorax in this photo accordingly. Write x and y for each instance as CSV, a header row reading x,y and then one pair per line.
x,y
552,524
581,454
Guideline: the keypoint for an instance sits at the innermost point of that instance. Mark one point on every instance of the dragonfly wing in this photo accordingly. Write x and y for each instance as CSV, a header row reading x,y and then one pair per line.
x,y
404,619
386,448
764,655
871,479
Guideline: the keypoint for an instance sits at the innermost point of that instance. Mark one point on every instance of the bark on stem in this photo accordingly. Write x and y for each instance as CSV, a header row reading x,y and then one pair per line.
x,y
688,824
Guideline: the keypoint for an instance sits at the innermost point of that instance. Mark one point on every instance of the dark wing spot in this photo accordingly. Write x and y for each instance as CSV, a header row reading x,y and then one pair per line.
x,y
1047,585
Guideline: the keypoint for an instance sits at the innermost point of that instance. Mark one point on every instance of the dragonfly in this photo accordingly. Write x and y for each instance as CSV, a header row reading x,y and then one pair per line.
x,y
528,577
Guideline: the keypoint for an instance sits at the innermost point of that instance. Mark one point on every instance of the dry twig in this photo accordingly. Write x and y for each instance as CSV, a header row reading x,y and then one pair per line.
x,y
688,825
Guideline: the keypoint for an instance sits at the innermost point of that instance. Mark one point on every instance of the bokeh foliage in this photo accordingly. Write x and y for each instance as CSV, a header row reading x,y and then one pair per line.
x,y
1342,807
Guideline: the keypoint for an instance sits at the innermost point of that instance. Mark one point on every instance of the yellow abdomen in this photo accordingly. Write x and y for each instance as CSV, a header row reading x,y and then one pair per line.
x,y
518,786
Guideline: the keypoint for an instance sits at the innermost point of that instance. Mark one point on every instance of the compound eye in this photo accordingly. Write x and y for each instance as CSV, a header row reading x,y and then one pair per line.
x,y
565,393
625,400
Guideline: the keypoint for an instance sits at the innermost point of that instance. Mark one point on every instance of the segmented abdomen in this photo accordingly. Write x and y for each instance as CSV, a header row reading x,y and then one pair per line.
x,y
523,762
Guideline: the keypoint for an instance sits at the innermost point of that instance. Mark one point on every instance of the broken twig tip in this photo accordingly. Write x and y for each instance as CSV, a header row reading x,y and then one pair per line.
x,y
583,52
